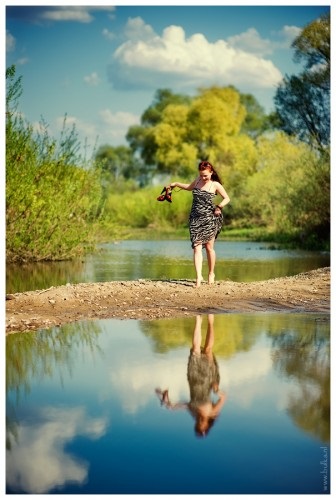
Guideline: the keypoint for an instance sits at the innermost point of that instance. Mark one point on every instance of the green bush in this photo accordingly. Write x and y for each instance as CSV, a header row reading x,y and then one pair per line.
x,y
51,203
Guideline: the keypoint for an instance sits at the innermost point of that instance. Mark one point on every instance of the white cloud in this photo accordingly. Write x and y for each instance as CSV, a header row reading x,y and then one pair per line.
x,y
114,126
119,119
10,42
251,42
288,34
78,14
93,80
22,61
81,14
136,383
109,35
146,60
137,29
38,462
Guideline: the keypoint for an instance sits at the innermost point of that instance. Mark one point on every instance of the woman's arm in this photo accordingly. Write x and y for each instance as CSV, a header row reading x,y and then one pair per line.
x,y
187,187
221,191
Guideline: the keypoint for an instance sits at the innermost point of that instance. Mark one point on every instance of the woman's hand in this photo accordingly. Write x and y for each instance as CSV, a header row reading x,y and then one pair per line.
x,y
217,211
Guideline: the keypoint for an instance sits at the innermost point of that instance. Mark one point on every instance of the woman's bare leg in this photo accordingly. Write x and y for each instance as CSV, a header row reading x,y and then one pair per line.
x,y
197,336
198,261
210,336
211,256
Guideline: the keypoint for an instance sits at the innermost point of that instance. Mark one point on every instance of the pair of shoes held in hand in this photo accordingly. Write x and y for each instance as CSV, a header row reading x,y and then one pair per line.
x,y
166,194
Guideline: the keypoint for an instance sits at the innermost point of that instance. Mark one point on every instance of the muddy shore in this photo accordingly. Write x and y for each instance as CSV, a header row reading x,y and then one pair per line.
x,y
148,299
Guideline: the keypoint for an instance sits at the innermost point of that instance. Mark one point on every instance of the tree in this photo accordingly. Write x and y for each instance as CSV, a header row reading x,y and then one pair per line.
x,y
313,47
256,121
289,193
139,137
303,101
117,162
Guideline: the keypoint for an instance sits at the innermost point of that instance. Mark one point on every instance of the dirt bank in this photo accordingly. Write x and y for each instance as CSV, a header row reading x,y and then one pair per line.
x,y
146,299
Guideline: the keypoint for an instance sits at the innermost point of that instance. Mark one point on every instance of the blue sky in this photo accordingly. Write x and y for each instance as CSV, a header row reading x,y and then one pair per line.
x,y
101,66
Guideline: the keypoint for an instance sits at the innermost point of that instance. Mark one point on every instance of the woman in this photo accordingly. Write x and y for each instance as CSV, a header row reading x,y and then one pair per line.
x,y
205,220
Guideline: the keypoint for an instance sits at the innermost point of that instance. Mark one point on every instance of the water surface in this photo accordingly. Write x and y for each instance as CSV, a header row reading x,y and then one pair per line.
x,y
157,260
86,411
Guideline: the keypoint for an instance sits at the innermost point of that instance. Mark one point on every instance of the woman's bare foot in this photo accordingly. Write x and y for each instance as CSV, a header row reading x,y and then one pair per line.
x,y
198,282
211,278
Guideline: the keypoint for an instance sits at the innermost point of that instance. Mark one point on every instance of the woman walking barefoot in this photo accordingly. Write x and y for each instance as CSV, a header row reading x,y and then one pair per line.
x,y
205,219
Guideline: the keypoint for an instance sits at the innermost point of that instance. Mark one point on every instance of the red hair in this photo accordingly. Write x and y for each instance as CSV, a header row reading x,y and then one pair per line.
x,y
206,165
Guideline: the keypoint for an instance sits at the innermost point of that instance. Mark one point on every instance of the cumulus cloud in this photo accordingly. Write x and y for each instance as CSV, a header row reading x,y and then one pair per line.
x,y
93,80
146,60
250,41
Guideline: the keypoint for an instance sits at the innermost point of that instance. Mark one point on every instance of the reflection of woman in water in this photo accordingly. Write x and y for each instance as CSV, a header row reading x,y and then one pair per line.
x,y
203,378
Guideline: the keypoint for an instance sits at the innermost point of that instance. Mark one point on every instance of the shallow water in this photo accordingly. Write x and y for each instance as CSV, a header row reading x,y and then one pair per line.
x,y
84,410
131,260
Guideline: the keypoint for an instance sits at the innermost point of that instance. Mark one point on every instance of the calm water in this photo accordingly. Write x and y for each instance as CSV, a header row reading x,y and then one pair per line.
x,y
85,411
132,260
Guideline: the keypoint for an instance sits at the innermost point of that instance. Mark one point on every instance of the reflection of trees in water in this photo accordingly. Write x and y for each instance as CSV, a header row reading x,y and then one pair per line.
x,y
234,333
39,355
305,356
40,275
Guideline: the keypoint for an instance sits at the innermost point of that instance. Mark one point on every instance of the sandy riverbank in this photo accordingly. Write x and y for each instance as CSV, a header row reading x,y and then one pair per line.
x,y
147,299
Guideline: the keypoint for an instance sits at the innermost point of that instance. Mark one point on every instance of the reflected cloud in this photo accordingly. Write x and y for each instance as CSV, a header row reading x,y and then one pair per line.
x,y
242,370
243,366
38,462
134,383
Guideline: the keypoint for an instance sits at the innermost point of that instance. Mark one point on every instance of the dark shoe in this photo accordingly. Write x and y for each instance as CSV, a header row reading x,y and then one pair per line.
x,y
162,197
166,196
169,195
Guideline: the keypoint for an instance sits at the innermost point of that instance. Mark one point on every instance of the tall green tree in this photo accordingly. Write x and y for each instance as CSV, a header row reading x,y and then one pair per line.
x,y
139,137
177,131
118,163
303,101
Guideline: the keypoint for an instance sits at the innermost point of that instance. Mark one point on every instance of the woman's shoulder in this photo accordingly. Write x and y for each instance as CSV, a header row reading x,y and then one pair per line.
x,y
217,185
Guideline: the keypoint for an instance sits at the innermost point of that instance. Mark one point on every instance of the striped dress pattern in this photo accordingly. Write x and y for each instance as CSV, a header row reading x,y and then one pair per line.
x,y
203,224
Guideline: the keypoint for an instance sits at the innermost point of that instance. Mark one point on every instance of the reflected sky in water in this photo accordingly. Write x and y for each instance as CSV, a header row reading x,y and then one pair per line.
x,y
111,406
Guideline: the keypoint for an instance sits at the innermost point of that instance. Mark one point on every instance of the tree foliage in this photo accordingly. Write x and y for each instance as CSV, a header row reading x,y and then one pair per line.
x,y
118,163
178,131
312,47
289,193
303,101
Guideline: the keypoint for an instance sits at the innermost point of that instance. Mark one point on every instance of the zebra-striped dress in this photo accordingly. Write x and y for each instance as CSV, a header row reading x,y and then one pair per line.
x,y
203,224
